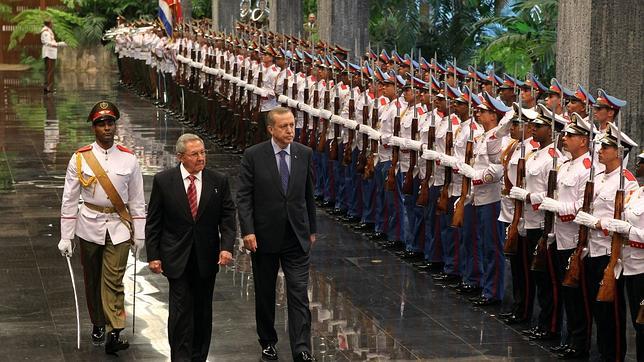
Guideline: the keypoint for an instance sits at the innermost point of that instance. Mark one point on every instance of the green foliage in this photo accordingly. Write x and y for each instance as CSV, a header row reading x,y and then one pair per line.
x,y
201,9
524,40
308,7
30,21
394,24
5,11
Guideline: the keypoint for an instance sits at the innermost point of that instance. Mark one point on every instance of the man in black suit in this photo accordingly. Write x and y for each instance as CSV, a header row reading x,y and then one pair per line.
x,y
190,207
277,218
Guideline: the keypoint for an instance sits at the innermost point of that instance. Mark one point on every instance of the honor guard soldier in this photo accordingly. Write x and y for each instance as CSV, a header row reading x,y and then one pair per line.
x,y
571,182
486,231
112,216
538,168
610,317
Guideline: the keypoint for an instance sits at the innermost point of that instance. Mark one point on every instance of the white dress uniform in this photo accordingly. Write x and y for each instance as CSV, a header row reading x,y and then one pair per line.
x,y
406,121
49,43
123,170
633,253
387,118
603,207
571,182
507,203
486,185
269,84
360,102
537,168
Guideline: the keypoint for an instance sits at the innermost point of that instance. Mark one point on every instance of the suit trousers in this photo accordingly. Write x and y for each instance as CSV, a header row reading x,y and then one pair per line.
x,y
295,265
190,313
103,271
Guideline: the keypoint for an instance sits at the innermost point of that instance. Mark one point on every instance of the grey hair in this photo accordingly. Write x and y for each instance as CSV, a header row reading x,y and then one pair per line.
x,y
183,139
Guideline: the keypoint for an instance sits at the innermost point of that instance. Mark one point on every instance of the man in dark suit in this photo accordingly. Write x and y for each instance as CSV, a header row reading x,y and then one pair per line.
x,y
277,218
190,207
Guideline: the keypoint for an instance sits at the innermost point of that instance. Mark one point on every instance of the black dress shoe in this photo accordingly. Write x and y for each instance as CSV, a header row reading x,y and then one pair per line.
x,y
327,204
351,219
505,315
303,357
530,331
114,343
378,236
543,336
269,353
559,348
485,301
571,353
469,289
98,335
514,319
393,245
440,276
364,226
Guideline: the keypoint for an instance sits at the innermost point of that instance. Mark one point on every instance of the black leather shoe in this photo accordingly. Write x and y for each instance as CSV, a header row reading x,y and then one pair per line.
x,y
531,331
378,236
393,245
558,348
114,343
506,315
484,302
514,319
543,336
364,226
571,353
327,204
303,357
98,335
338,212
440,276
469,289
351,219
269,353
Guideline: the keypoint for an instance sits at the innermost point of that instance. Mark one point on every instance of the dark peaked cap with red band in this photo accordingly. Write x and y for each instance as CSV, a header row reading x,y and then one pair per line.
x,y
103,109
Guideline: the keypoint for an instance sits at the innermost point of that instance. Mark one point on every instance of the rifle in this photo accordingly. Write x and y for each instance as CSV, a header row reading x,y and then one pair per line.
x,y
423,194
316,120
466,183
362,157
607,287
256,110
640,314
193,57
541,252
408,183
294,94
305,115
390,181
441,206
333,147
325,123
348,149
370,167
573,270
511,244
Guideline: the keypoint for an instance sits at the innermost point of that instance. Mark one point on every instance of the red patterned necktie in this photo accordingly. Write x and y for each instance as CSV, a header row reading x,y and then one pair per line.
x,y
192,196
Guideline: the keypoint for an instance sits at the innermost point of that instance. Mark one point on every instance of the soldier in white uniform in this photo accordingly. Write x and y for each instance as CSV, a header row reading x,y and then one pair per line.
x,y
49,53
538,167
609,317
105,230
571,182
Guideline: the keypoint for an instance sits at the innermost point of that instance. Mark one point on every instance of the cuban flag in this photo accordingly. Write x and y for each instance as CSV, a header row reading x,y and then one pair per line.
x,y
165,16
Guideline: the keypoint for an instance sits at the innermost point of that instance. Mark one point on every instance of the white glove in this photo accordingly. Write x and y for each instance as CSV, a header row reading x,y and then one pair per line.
x,y
304,107
137,247
350,124
549,204
66,247
586,219
518,193
617,226
374,134
282,99
413,145
448,161
326,114
292,103
336,119
396,141
385,139
468,200
431,155
314,112
61,44
503,130
466,170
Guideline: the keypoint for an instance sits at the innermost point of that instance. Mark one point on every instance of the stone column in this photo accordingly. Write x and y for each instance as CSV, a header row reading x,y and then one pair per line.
x,y
286,16
599,44
224,12
345,23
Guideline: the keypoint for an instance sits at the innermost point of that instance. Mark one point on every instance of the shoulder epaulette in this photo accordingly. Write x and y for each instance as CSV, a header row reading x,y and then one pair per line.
x,y
344,87
587,163
629,176
124,149
534,143
84,148
551,152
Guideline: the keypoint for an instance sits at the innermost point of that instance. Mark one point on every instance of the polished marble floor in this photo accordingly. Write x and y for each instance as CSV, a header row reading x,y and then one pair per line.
x,y
366,304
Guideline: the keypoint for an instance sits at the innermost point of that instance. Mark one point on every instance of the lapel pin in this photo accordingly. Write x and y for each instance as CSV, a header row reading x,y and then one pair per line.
x,y
216,190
